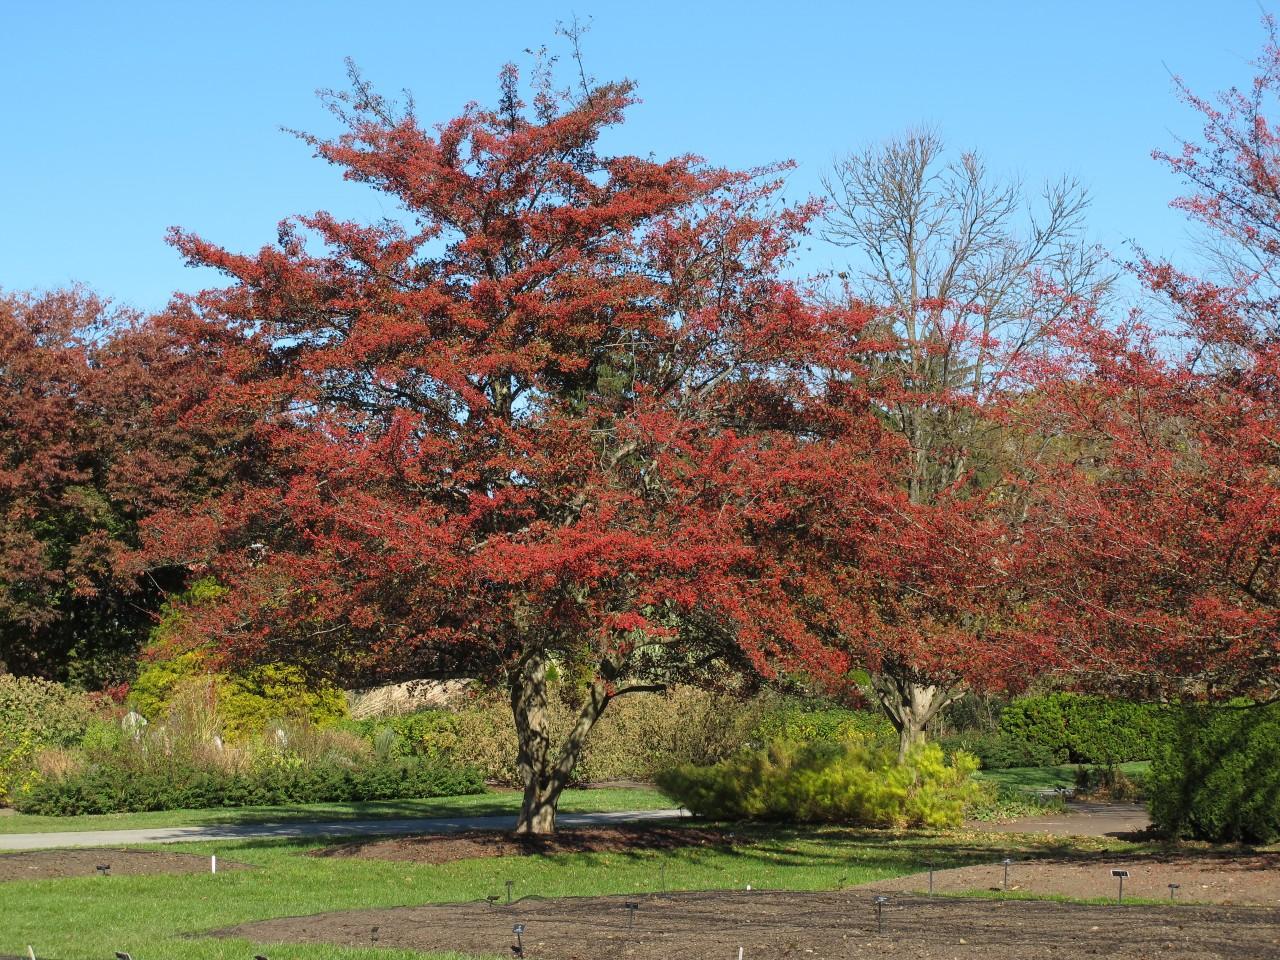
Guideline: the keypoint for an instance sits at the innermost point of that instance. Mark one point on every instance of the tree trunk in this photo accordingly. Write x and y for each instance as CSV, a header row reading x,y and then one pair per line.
x,y
911,706
543,773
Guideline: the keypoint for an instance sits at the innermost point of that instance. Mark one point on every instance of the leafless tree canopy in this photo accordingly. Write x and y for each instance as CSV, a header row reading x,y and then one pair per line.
x,y
970,271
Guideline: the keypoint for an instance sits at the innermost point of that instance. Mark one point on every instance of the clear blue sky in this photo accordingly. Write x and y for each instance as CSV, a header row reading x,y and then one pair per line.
x,y
124,118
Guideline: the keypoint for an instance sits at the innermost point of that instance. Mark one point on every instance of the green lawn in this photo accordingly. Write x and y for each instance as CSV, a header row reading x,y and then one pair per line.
x,y
573,801
89,918
1048,778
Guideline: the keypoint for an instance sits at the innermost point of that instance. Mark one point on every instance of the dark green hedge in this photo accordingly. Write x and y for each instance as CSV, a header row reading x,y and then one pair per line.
x,y
1217,776
999,750
117,789
1068,728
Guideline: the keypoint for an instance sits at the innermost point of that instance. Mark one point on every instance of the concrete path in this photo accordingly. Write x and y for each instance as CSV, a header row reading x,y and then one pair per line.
x,y
1080,820
327,828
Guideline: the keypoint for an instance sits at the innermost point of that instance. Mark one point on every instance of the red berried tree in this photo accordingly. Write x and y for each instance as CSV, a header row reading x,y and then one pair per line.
x,y
562,413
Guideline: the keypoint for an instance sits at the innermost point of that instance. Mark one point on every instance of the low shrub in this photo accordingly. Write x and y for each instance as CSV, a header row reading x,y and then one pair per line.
x,y
35,715
1217,777
177,785
1002,801
825,782
1108,784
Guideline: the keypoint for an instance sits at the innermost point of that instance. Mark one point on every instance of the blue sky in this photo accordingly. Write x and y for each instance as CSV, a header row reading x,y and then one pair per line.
x,y
124,118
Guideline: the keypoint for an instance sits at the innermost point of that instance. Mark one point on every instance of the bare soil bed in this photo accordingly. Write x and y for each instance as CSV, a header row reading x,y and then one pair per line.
x,y
445,848
46,864
774,924
1245,879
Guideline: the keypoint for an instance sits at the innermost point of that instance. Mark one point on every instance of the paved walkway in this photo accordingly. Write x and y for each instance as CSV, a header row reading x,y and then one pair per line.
x,y
1080,820
327,828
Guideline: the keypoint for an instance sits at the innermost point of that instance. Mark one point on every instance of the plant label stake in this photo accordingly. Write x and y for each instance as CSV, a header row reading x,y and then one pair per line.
x,y
739,953
31,951
631,916
1120,875
213,863
104,869
880,902
518,949
510,884
1006,861
1173,891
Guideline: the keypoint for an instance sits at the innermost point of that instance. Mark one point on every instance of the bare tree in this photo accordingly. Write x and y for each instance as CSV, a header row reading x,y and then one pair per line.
x,y
970,272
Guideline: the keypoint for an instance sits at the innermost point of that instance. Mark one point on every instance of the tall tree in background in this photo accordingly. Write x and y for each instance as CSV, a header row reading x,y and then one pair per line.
x,y
970,277
560,416
85,452
1165,566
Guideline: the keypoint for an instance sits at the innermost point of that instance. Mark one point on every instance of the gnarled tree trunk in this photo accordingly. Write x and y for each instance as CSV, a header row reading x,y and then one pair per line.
x,y
544,772
911,705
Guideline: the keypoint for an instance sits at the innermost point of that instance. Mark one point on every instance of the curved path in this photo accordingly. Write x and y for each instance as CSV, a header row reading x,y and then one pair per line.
x,y
325,828
1080,820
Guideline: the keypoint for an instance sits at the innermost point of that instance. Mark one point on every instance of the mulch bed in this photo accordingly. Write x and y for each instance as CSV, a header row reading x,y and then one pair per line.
x,y
46,864
1252,879
446,848
773,924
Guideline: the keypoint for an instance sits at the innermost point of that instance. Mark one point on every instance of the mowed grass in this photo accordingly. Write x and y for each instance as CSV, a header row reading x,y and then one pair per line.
x,y
152,918
1050,778
477,805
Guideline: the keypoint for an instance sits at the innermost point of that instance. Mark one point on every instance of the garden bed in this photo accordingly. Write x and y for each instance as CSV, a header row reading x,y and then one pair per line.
x,y
47,864
1248,879
773,924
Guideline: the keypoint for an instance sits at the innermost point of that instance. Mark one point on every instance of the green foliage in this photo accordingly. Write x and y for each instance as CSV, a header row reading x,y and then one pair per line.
x,y
998,750
801,723
57,715
1065,727
251,700
246,702
1109,784
34,715
829,783
1001,801
1217,777
179,785
638,735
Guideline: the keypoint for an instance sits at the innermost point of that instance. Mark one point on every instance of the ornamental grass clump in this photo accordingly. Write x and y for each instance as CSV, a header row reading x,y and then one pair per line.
x,y
823,782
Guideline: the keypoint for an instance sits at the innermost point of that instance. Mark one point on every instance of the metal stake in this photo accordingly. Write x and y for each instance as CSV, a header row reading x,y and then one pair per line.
x,y
1006,861
510,883
931,878
518,949
880,902
1120,875
1173,891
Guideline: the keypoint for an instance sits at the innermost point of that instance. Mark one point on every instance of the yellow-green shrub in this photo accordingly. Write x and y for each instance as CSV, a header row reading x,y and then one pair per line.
x,y
34,715
243,703
825,782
